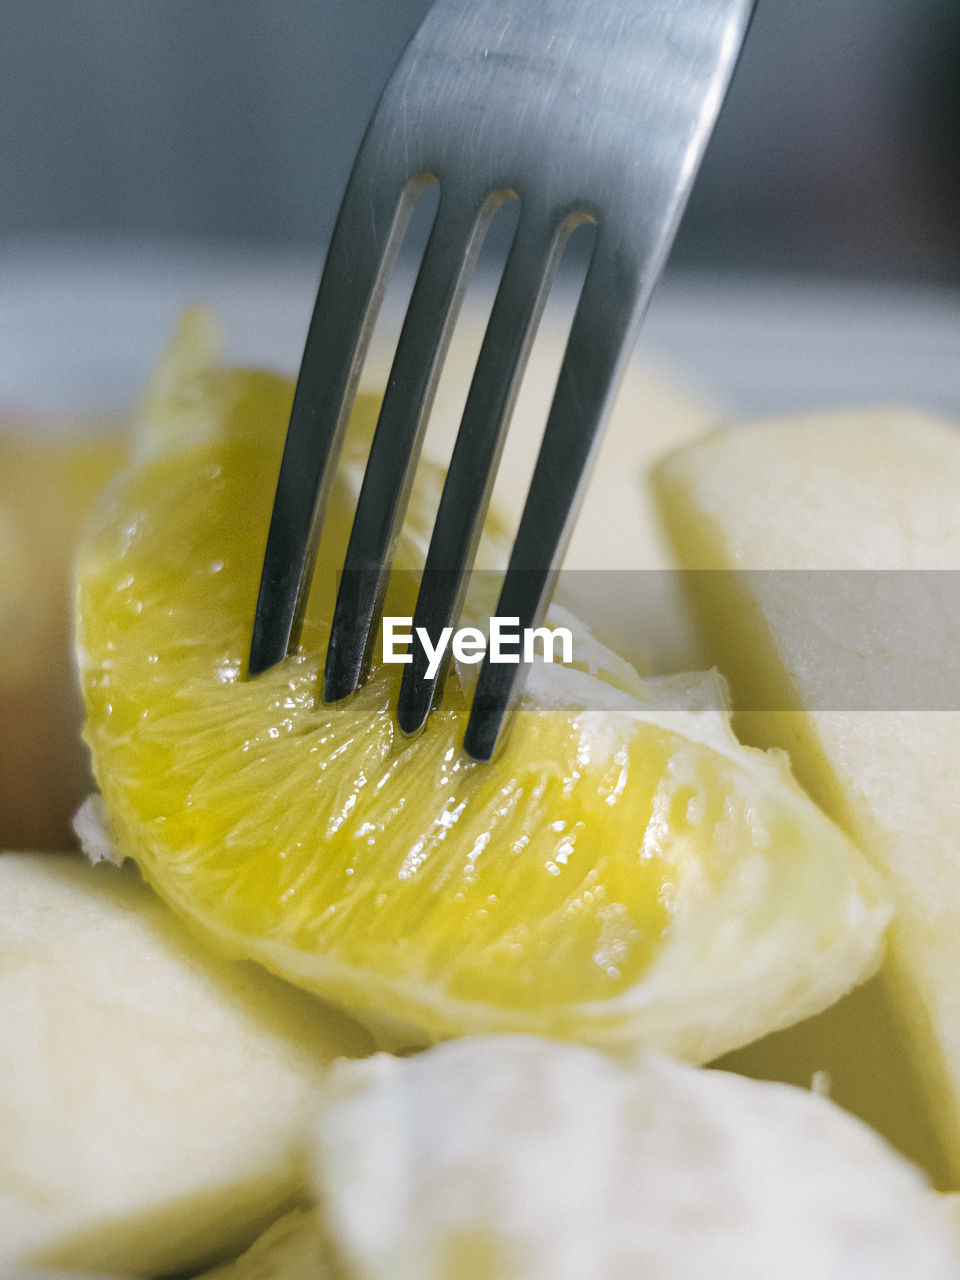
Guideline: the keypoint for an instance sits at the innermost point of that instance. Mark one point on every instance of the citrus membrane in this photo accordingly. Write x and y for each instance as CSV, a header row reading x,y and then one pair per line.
x,y
625,872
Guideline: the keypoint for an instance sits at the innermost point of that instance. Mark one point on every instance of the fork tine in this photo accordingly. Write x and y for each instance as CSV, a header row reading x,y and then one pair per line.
x,y
431,315
362,251
466,492
610,307
548,99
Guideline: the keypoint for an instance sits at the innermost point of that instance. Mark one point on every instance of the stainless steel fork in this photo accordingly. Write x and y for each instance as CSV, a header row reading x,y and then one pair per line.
x,y
583,110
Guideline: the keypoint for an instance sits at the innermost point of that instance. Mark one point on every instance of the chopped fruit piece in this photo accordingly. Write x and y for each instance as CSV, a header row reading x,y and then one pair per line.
x,y
514,1158
629,875
153,1098
855,672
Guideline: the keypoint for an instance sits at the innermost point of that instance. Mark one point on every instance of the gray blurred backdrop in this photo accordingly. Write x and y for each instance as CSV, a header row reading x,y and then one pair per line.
x,y
838,151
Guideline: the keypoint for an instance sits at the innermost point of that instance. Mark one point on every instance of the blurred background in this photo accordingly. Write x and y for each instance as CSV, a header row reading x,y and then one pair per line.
x,y
838,151
154,153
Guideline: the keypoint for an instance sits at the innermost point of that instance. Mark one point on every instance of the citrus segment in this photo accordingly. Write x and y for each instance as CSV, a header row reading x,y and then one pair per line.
x,y
624,875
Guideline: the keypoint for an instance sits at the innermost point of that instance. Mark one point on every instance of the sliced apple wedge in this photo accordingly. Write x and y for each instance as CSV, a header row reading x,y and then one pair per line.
x,y
154,1099
855,672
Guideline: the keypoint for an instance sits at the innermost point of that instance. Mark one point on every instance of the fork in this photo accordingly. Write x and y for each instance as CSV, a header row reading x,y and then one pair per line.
x,y
583,111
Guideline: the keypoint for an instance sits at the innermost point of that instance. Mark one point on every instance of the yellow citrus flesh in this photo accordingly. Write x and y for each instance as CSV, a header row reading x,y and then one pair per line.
x,y
631,875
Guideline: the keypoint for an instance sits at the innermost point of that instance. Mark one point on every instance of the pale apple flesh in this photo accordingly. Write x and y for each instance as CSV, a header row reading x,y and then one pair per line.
x,y
855,491
154,1097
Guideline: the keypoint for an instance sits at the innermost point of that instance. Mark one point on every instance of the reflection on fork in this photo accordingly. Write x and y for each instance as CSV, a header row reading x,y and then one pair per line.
x,y
582,111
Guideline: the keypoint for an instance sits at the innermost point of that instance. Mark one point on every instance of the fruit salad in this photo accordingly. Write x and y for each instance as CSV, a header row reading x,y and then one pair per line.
x,y
335,1002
